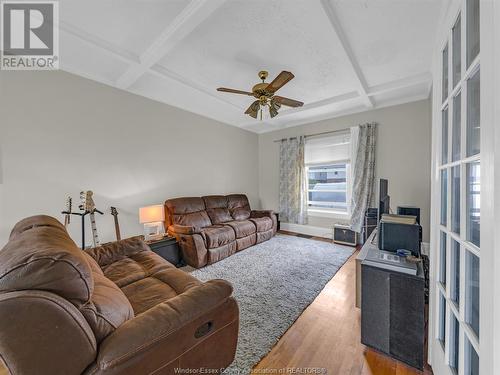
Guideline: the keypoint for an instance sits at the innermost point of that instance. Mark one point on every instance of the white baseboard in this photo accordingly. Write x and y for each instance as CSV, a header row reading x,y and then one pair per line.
x,y
307,229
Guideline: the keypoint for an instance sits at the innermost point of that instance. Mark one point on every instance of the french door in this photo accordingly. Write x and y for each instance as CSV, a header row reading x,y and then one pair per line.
x,y
455,332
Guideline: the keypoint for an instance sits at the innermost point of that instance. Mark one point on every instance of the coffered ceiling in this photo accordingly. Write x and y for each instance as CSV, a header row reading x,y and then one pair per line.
x,y
347,55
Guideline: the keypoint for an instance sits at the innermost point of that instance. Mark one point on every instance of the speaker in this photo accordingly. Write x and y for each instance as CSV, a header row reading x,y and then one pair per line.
x,y
409,210
394,236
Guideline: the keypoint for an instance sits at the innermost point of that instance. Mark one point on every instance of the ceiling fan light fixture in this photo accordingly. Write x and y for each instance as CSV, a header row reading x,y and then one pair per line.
x,y
265,95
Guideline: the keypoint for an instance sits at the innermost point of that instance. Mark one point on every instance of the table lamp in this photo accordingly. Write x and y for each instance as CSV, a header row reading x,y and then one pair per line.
x,y
152,217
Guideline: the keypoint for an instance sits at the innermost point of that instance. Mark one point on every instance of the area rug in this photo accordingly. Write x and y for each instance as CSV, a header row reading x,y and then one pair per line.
x,y
273,283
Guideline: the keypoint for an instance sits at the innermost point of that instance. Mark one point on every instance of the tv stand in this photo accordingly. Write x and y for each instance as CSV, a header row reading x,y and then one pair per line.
x,y
392,308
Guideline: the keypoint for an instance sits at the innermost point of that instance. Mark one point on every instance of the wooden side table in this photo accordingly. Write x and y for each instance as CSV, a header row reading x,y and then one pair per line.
x,y
168,249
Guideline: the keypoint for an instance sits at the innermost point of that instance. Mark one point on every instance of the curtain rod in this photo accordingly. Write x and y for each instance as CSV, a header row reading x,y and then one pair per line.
x,y
315,134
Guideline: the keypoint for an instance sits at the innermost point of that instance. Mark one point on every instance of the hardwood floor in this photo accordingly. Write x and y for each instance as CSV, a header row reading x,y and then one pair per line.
x,y
327,335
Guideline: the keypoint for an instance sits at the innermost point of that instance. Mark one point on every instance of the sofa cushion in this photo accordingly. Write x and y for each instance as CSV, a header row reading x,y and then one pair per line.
x,y
108,307
40,255
240,214
215,201
262,223
237,201
217,235
242,228
146,279
188,211
219,215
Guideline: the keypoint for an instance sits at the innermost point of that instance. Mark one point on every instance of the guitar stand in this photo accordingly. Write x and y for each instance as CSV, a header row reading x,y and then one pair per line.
x,y
82,214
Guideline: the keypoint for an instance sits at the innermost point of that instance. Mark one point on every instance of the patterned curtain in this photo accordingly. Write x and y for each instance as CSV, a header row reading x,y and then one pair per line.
x,y
293,200
363,174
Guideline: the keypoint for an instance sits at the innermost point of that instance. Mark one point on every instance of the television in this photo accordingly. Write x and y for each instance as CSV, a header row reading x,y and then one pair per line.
x,y
384,201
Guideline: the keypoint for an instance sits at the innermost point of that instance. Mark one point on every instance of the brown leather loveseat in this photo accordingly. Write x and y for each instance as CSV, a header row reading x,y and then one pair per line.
x,y
214,227
115,309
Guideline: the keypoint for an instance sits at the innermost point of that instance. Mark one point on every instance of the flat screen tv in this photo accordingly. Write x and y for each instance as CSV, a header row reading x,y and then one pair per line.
x,y
384,199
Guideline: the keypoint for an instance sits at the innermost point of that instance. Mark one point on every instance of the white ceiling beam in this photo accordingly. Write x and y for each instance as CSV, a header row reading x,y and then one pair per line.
x,y
358,74
418,79
109,48
193,15
163,72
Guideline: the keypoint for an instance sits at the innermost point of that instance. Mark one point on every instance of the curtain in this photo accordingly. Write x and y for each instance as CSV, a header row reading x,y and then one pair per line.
x,y
293,200
363,173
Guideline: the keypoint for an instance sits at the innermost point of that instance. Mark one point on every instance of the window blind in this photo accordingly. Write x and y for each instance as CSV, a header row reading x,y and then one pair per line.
x,y
327,149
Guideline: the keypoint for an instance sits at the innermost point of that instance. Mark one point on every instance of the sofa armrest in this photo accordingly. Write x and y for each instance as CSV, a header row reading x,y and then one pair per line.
x,y
183,229
262,213
160,335
112,251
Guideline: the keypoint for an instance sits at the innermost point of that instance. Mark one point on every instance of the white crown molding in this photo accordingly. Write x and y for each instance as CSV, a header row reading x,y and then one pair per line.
x,y
339,33
192,16
268,127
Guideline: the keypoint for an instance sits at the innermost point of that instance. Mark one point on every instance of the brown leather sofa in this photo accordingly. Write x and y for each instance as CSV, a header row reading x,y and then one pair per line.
x,y
214,227
115,309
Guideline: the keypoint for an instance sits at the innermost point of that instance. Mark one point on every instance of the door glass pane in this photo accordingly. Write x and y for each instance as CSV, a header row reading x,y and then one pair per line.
x,y
472,30
445,74
454,341
455,272
455,199
442,259
455,143
472,292
456,61
442,319
471,359
473,115
444,197
444,137
473,198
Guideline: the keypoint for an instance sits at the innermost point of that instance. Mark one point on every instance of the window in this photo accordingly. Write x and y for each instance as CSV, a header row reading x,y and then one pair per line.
x,y
444,197
444,136
442,259
472,292
327,186
455,199
456,129
328,173
455,272
472,30
456,53
445,74
473,196
454,342
473,111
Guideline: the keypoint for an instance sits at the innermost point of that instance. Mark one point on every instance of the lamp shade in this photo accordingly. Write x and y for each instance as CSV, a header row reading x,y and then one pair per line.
x,y
151,214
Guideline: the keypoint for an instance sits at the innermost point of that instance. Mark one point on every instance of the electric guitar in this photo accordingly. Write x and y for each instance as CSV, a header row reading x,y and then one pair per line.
x,y
67,213
88,205
114,212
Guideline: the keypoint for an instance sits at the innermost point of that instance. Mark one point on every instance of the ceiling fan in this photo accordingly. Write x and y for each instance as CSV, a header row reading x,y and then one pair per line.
x,y
264,92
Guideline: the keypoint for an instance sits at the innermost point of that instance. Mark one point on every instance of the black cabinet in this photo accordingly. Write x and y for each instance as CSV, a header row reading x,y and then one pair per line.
x,y
168,249
392,313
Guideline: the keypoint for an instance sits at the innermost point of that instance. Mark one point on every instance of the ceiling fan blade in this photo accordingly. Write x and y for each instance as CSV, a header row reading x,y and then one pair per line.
x,y
279,81
253,110
224,89
288,102
273,108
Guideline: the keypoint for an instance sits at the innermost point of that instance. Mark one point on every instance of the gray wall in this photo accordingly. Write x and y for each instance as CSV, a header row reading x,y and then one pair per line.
x,y
403,156
60,134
